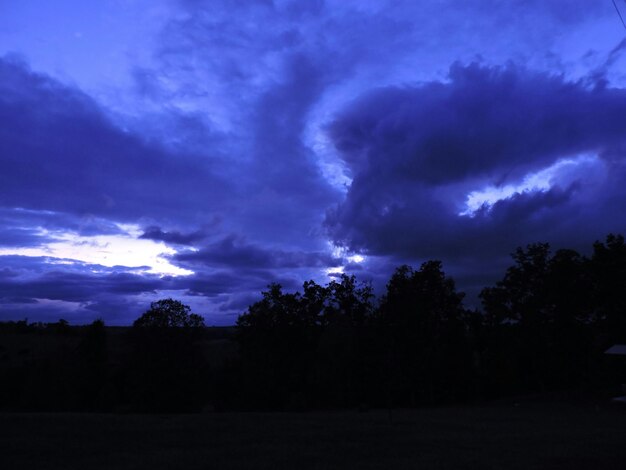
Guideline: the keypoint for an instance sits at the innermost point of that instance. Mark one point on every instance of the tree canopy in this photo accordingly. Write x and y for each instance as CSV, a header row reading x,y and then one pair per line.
x,y
169,313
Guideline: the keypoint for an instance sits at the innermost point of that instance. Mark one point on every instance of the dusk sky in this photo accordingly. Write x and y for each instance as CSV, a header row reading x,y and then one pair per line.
x,y
203,149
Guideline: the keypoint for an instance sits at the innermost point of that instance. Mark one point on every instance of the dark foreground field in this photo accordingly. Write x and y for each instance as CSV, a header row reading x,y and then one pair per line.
x,y
504,436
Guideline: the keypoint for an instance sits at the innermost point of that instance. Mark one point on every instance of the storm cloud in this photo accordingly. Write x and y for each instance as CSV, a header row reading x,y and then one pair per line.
x,y
416,154
61,153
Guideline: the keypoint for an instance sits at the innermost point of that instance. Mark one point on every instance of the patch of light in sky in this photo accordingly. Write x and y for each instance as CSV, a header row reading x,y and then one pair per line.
x,y
341,252
64,305
540,181
356,258
334,270
328,161
107,250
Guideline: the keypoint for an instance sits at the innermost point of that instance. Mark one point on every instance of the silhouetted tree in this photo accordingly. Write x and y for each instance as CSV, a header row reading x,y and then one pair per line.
x,y
344,367
92,366
608,270
307,349
277,337
169,313
167,369
537,316
427,348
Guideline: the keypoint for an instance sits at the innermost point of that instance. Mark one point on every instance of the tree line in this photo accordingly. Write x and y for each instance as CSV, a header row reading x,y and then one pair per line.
x,y
543,327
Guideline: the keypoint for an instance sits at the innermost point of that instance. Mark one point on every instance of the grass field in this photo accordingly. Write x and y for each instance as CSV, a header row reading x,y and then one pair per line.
x,y
504,436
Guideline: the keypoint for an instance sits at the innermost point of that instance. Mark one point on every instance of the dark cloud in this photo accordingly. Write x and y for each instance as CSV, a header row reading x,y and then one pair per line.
x,y
174,237
21,236
32,228
483,122
239,304
45,289
61,153
235,253
263,84
224,281
415,154
42,278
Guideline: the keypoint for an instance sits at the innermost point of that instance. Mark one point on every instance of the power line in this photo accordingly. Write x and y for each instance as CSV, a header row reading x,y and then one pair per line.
x,y
619,14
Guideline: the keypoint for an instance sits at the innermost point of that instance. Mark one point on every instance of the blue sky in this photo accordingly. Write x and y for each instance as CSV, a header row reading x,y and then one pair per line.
x,y
203,149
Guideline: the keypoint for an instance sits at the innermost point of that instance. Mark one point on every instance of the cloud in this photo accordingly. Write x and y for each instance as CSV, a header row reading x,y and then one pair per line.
x,y
54,134
44,278
48,288
21,236
415,154
484,121
233,252
174,237
34,228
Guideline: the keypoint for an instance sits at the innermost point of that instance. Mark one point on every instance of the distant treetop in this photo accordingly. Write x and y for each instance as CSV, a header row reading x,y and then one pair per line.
x,y
169,313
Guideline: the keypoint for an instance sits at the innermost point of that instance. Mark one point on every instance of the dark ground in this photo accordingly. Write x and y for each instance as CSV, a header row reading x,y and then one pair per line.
x,y
500,436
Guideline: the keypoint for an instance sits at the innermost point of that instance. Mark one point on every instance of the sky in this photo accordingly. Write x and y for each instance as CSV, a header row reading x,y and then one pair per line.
x,y
202,150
